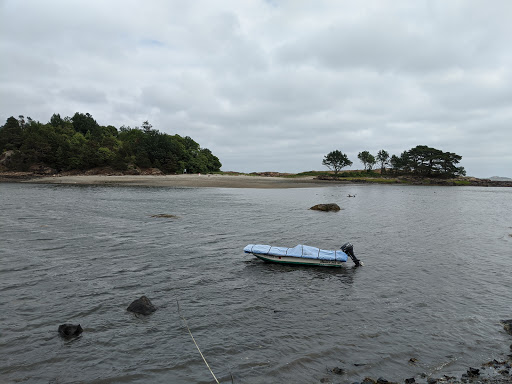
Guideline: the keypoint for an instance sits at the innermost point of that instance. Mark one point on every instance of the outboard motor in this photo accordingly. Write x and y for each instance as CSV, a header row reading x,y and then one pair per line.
x,y
349,250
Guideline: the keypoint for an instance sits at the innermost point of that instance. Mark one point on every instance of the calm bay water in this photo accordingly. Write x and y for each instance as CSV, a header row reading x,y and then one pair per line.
x,y
437,279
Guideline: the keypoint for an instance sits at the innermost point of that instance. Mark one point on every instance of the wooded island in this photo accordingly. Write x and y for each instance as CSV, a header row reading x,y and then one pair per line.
x,y
80,143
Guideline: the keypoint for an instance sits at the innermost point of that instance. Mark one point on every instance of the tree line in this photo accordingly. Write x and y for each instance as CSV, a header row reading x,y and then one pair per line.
x,y
80,143
421,161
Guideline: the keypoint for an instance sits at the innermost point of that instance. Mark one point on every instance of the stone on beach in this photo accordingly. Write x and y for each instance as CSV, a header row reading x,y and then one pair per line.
x,y
326,207
142,306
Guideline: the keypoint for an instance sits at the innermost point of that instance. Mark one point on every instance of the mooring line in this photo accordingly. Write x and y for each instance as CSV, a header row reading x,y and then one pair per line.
x,y
194,340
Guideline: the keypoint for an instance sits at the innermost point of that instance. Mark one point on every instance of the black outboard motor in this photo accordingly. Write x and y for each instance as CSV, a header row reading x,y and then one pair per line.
x,y
349,250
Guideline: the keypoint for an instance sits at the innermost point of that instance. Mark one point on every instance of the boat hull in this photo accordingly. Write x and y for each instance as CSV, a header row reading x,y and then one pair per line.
x,y
299,260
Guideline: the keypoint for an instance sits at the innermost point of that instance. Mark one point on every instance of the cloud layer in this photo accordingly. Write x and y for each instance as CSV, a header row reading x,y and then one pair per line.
x,y
272,85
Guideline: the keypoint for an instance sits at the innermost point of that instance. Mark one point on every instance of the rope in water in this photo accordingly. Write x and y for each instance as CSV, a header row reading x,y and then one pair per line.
x,y
197,346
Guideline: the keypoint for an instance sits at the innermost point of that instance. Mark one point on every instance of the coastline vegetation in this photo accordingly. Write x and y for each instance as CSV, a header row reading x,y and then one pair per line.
x,y
420,161
79,143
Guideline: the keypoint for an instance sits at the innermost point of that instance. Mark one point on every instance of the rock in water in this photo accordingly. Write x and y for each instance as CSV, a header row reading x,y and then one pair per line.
x,y
142,306
165,216
70,330
326,207
338,371
507,324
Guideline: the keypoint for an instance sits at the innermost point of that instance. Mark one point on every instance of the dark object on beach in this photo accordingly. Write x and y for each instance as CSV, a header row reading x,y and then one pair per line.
x,y
338,371
507,324
410,381
142,306
326,207
413,360
70,330
380,380
431,380
473,372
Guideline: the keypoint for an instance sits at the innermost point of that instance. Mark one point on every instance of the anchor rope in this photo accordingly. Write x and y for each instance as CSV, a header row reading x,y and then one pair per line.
x,y
194,340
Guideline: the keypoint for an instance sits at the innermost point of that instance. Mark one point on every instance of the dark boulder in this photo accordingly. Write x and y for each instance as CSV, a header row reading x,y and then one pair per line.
x,y
70,330
142,306
326,207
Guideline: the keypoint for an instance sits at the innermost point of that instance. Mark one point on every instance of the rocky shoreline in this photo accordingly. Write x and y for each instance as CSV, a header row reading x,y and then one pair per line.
x,y
153,176
465,181
492,372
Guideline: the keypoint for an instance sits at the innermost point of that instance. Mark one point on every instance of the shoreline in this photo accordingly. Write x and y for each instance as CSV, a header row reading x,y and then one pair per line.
x,y
185,180
231,180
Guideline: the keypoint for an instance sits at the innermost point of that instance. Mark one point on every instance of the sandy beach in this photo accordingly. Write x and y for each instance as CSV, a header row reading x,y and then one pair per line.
x,y
194,181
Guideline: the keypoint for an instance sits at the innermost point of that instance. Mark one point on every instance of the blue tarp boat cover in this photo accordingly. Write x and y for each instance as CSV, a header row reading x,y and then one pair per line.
x,y
300,250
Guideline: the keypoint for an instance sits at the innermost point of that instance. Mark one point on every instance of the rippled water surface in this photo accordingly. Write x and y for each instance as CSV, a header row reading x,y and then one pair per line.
x,y
437,279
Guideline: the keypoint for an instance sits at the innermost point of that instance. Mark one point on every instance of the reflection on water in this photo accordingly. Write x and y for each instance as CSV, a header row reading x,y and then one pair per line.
x,y
434,286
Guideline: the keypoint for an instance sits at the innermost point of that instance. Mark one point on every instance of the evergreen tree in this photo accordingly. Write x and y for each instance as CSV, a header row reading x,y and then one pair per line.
x,y
367,159
336,160
11,135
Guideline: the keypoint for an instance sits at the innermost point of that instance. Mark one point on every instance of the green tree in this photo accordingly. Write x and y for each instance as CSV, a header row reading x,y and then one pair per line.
x,y
399,163
56,120
11,135
336,160
367,159
428,162
382,158
84,123
146,126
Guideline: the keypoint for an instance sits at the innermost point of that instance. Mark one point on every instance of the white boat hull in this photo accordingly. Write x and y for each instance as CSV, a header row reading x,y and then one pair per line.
x,y
299,260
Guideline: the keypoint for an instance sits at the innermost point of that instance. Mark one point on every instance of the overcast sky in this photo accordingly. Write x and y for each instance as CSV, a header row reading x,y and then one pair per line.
x,y
272,85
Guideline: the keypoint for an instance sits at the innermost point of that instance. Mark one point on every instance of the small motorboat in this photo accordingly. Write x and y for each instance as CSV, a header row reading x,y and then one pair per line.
x,y
304,255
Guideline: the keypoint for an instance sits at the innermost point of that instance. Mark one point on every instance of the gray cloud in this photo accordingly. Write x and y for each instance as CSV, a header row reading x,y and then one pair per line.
x,y
272,85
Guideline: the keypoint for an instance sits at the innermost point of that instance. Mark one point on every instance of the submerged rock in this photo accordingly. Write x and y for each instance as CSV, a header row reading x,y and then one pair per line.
x,y
165,216
70,330
338,371
507,324
326,207
142,306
